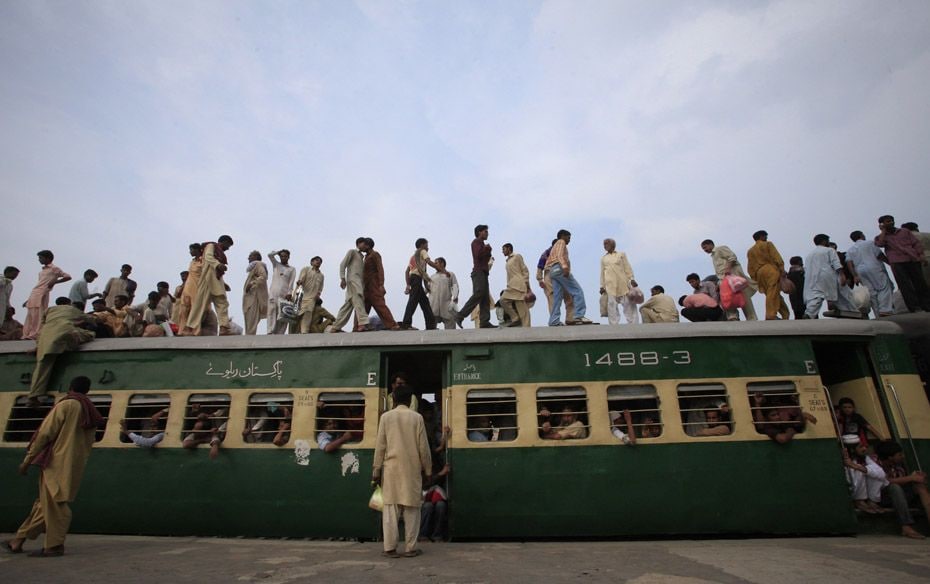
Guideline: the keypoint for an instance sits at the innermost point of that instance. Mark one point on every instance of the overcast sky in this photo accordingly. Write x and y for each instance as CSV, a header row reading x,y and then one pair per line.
x,y
131,129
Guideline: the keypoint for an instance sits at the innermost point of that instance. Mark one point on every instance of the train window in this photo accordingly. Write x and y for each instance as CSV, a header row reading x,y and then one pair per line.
x,y
705,409
146,416
205,419
268,419
642,402
491,415
774,405
563,413
24,420
337,413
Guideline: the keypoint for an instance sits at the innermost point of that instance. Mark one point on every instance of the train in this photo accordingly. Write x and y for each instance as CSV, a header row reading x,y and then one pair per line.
x,y
240,417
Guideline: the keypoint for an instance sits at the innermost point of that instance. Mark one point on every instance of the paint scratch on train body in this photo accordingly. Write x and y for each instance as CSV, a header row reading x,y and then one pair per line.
x,y
349,463
302,452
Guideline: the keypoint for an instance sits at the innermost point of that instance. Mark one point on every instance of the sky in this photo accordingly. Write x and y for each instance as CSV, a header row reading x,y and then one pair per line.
x,y
130,129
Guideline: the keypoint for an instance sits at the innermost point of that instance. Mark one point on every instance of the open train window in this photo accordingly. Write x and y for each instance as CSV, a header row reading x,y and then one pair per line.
x,y
563,413
642,402
205,418
773,404
491,415
268,419
102,403
146,417
337,413
705,409
24,420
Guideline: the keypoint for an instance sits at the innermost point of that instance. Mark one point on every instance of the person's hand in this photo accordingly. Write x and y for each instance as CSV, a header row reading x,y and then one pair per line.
x,y
342,283
758,399
376,478
23,468
634,284
407,289
566,271
546,427
603,290
545,413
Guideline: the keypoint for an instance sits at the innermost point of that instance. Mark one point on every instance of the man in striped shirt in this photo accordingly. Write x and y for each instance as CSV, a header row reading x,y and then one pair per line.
x,y
563,282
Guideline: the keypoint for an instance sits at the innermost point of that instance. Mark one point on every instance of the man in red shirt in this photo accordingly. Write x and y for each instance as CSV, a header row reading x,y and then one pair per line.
x,y
906,256
481,256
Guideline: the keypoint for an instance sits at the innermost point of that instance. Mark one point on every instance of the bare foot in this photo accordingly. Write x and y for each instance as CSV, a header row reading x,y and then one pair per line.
x,y
908,531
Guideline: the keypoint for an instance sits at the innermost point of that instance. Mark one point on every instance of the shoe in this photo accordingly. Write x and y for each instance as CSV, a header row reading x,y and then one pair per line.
x,y
55,552
390,554
413,553
363,328
9,547
225,331
514,323
582,320
557,324
489,326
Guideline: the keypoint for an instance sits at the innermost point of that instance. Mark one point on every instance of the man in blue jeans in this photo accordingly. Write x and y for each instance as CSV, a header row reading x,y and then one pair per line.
x,y
563,282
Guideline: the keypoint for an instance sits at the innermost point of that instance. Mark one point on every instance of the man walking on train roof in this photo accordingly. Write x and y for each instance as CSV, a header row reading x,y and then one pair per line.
x,y
255,293
282,280
563,282
544,279
310,281
211,288
513,299
726,263
351,279
906,256
481,267
10,273
766,267
373,285
60,448
864,262
823,276
402,457
418,285
616,282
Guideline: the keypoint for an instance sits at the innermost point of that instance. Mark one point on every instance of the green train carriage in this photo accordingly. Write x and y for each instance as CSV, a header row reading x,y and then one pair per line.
x,y
520,486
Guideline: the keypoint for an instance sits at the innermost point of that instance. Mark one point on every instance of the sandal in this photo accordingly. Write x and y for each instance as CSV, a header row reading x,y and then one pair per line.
x,y
390,554
413,553
57,551
9,547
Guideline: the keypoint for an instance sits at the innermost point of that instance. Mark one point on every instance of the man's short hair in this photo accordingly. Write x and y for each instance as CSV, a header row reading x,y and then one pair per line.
x,y
821,238
126,267
80,384
195,246
123,296
659,288
316,258
153,295
370,242
91,273
910,226
846,400
419,242
884,217
796,261
10,270
45,253
856,235
886,449
440,259
62,301
225,239
562,232
708,241
99,301
759,234
692,276
510,245
402,395
479,229
287,251
359,240
681,300
185,273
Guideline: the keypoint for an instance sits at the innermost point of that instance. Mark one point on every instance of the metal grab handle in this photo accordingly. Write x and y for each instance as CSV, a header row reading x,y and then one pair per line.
x,y
907,428
836,422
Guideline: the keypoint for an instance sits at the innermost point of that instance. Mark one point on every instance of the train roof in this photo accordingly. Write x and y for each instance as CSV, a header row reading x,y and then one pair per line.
x,y
397,339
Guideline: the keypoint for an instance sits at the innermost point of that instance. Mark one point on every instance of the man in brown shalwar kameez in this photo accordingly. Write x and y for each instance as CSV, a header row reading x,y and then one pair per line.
x,y
60,447
402,457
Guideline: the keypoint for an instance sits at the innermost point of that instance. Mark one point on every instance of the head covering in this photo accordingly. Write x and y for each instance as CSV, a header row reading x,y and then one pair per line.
x,y
850,439
614,415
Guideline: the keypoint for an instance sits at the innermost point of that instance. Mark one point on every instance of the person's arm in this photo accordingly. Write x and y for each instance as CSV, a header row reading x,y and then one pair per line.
x,y
271,255
407,280
379,273
628,420
380,447
48,431
335,444
603,272
144,442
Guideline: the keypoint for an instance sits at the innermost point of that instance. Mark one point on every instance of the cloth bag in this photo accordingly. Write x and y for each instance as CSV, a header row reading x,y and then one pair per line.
x,y
604,304
787,286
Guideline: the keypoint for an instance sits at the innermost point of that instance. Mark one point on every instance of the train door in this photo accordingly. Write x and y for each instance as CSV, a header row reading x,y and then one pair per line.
x,y
847,370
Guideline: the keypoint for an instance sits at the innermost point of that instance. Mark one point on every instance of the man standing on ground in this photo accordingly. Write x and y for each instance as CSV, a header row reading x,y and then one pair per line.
x,y
282,280
351,279
481,257
766,267
60,447
906,256
563,282
725,263
255,293
616,281
402,456
373,284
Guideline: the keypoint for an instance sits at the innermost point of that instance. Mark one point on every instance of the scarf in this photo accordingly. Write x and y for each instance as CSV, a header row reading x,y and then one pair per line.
x,y
220,256
90,418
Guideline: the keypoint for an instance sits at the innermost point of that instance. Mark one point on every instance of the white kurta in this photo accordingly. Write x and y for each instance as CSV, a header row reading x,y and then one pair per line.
x,y
864,256
444,288
616,274
402,455
820,279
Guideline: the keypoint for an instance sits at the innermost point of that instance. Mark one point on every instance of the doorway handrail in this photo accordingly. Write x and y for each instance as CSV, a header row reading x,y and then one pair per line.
x,y
907,428
836,421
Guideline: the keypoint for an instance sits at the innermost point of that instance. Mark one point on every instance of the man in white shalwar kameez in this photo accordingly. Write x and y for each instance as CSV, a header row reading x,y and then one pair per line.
x,y
402,458
444,296
282,280
616,282
863,261
822,277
